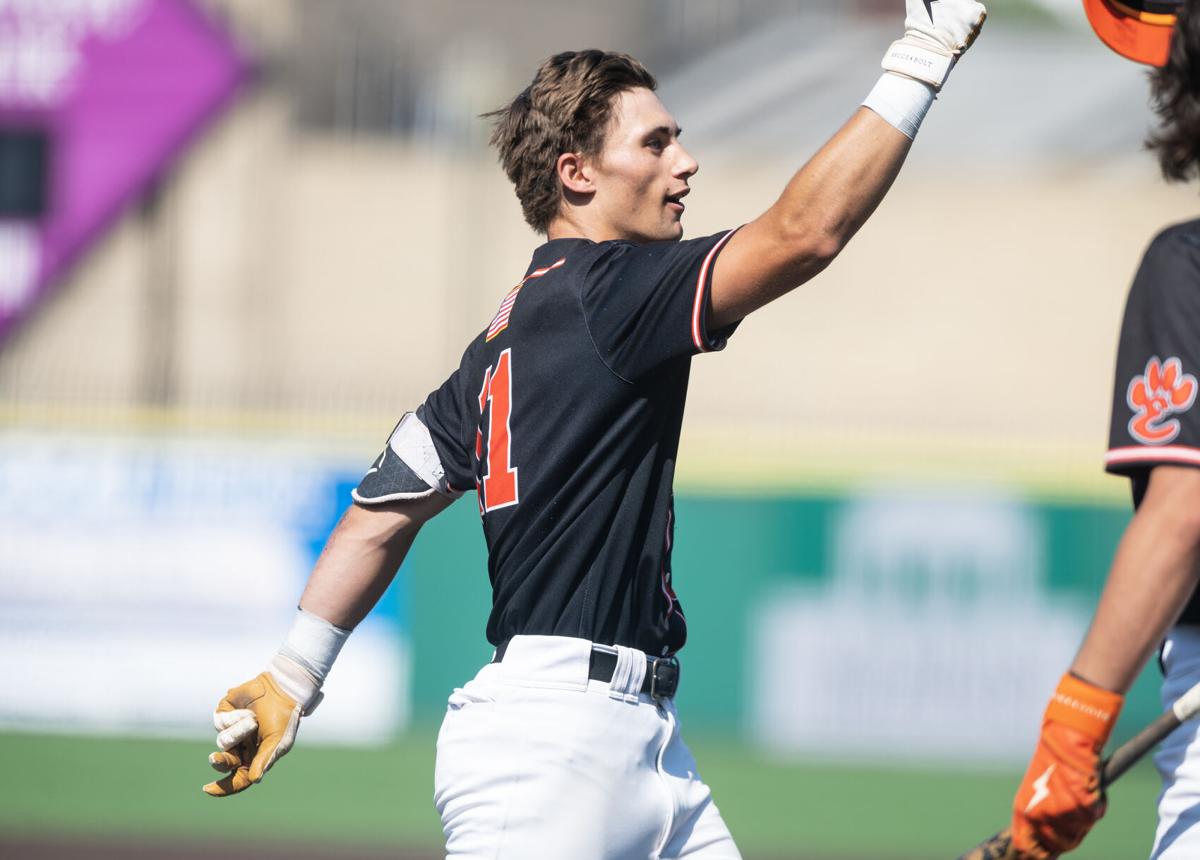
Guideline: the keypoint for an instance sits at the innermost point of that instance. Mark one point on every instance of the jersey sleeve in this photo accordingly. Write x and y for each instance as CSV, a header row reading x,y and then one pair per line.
x,y
646,304
408,468
446,412
1154,418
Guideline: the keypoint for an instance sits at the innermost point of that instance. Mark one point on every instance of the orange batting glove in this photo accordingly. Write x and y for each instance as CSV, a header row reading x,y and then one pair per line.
x,y
1061,797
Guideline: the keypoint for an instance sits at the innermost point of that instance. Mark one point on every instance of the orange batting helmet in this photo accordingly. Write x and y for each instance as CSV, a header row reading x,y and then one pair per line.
x,y
1138,29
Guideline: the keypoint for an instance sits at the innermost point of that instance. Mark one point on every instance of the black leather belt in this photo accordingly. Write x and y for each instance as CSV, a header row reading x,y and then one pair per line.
x,y
662,673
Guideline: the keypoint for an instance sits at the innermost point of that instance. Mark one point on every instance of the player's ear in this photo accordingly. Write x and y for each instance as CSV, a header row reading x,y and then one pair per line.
x,y
575,173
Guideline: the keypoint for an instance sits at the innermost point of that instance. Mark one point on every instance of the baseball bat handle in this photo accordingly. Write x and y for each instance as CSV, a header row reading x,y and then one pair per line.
x,y
999,847
1128,754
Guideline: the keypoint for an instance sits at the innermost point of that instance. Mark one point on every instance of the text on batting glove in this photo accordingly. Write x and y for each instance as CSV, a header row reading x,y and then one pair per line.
x,y
257,723
1061,796
936,33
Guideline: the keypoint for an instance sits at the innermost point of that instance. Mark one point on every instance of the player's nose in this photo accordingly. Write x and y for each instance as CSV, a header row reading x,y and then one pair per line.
x,y
685,165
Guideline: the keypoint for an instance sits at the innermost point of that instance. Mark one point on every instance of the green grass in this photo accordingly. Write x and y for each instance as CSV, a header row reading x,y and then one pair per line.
x,y
322,794
903,812
152,788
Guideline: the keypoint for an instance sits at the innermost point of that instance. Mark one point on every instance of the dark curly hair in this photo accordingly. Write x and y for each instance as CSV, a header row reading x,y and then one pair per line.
x,y
567,108
1175,95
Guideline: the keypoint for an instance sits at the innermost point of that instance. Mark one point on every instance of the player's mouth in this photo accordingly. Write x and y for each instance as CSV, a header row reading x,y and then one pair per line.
x,y
675,201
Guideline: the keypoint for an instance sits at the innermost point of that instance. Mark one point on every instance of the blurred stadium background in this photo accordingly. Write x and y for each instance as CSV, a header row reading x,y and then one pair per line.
x,y
239,238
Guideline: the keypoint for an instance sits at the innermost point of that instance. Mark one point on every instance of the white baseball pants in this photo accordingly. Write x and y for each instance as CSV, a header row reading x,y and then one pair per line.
x,y
534,760
1178,759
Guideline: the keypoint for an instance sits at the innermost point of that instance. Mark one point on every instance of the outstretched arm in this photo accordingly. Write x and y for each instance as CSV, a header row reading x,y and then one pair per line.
x,y
362,556
832,196
257,721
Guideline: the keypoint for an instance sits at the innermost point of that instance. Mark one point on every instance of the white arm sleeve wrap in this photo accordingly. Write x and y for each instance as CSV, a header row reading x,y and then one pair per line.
x,y
901,101
314,644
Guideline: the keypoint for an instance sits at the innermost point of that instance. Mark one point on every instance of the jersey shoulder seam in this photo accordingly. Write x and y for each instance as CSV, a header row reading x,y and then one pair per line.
x,y
1170,254
1186,233
583,283
465,413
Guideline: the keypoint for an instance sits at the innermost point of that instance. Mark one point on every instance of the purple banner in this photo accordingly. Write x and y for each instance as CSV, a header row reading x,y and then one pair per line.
x,y
97,99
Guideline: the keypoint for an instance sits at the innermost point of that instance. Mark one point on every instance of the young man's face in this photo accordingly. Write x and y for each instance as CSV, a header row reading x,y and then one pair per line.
x,y
642,173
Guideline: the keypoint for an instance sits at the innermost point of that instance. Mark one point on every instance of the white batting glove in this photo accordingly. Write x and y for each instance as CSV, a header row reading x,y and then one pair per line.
x,y
936,33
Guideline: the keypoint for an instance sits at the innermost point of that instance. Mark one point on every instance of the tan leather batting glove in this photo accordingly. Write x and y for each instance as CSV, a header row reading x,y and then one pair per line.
x,y
936,34
257,723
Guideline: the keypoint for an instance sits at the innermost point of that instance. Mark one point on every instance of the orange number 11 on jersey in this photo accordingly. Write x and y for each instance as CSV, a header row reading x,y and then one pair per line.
x,y
499,487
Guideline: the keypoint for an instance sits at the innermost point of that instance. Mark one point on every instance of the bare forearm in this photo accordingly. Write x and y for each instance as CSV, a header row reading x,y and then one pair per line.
x,y
1146,589
1153,574
820,210
358,563
833,194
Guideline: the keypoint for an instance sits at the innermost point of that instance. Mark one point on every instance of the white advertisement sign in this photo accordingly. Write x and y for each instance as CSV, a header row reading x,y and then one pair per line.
x,y
140,578
931,638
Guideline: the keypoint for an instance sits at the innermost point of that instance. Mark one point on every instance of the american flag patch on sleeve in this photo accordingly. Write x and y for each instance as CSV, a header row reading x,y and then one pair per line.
x,y
500,320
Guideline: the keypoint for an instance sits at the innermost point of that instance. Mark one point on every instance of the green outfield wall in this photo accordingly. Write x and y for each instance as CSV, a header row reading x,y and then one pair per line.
x,y
977,596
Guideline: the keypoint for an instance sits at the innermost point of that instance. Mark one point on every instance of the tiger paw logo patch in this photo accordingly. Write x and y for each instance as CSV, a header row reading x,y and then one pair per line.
x,y
1162,391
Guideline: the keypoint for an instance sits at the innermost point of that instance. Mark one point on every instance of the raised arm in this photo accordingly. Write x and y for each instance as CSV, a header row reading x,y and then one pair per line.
x,y
821,208
832,196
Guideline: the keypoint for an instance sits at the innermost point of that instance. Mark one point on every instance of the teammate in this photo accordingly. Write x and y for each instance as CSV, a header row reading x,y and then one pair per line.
x,y
564,416
1155,441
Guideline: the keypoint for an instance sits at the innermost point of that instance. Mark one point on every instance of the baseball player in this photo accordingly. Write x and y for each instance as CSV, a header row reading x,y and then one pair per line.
x,y
1155,441
564,418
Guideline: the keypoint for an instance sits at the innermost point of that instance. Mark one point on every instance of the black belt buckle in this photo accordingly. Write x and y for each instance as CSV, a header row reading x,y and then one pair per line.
x,y
664,678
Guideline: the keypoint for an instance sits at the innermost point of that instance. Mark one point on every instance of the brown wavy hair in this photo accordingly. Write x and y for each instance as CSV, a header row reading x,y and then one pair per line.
x,y
1175,95
567,108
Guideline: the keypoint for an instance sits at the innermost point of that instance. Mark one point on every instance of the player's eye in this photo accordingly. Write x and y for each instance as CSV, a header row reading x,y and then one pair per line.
x,y
657,144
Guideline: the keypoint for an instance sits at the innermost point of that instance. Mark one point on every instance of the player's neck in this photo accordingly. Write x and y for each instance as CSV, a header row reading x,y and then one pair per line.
x,y
570,225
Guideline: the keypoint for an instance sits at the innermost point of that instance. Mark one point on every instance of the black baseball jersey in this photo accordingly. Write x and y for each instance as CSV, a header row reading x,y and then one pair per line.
x,y
1154,419
564,415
